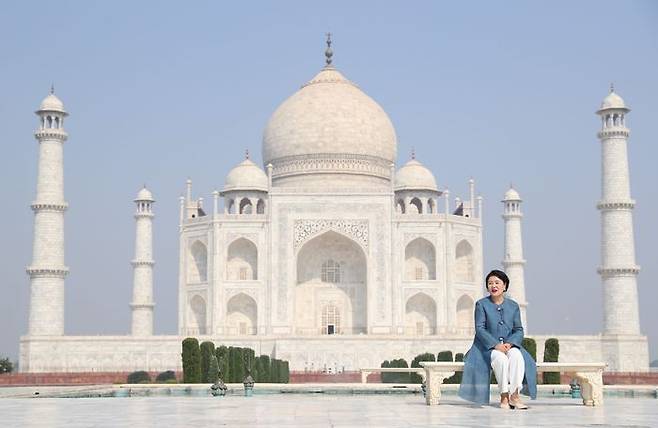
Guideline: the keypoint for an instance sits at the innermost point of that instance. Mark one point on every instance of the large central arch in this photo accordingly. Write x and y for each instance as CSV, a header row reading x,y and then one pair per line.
x,y
331,272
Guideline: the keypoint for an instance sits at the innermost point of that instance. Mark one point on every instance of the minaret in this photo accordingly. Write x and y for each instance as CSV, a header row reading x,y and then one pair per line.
x,y
618,269
47,271
142,303
513,261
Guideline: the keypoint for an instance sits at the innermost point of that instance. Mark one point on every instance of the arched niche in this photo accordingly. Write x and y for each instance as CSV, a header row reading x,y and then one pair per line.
x,y
198,265
242,261
465,312
196,321
420,315
419,260
242,315
464,262
331,270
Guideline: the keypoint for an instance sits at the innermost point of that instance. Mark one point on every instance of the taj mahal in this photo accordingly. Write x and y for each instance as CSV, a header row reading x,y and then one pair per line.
x,y
333,255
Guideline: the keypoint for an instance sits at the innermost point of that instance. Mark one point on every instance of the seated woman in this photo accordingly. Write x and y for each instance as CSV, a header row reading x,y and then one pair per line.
x,y
497,346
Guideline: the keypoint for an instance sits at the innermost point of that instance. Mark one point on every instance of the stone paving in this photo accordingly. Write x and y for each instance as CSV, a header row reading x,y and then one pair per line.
x,y
321,410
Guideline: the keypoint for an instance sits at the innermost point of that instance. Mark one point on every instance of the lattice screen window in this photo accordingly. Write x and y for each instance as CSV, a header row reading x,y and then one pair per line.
x,y
330,320
419,273
331,271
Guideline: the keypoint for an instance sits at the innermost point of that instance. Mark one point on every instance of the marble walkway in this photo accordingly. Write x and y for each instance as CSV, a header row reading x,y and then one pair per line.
x,y
321,410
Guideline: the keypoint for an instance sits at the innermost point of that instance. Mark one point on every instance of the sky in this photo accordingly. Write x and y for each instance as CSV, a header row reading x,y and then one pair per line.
x,y
161,91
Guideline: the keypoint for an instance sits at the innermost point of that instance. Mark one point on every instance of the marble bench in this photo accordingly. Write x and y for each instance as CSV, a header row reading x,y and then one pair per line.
x,y
589,375
366,372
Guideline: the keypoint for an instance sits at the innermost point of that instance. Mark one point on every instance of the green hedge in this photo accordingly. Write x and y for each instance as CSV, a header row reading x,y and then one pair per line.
x,y
551,354
415,377
207,351
191,361
139,377
395,377
166,377
222,361
531,346
213,369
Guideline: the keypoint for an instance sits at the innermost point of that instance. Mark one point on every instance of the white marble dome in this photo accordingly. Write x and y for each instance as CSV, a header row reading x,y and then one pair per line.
x,y
613,100
144,195
331,119
414,176
246,176
512,195
52,103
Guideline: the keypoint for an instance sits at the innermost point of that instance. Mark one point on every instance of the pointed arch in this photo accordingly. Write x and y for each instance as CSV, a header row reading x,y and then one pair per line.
x,y
465,312
242,315
331,270
242,261
431,206
399,206
260,207
197,315
420,315
420,260
198,266
415,202
464,263
245,206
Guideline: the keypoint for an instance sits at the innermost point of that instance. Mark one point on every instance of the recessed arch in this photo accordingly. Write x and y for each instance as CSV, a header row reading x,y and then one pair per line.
x,y
416,206
420,315
197,315
399,206
465,312
420,260
242,260
464,262
242,315
198,266
260,207
245,206
331,270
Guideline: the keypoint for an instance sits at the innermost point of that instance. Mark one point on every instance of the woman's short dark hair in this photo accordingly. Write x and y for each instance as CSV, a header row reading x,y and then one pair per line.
x,y
498,274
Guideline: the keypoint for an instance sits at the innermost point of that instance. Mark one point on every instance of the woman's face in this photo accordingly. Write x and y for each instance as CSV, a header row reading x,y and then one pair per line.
x,y
496,286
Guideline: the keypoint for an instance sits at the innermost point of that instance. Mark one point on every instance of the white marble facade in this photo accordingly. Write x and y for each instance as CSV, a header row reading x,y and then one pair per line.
x,y
329,256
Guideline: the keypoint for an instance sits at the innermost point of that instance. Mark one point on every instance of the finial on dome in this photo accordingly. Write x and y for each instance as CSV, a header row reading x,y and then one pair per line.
x,y
413,153
328,53
612,87
246,153
52,88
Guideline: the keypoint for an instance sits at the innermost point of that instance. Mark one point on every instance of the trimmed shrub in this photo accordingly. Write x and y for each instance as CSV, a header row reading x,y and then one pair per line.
x,y
444,356
265,369
6,366
385,376
531,346
207,351
213,369
167,376
191,361
275,375
457,377
551,354
139,377
222,360
415,377
400,377
285,371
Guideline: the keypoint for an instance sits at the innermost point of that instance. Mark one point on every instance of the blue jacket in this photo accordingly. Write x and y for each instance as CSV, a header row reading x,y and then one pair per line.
x,y
493,323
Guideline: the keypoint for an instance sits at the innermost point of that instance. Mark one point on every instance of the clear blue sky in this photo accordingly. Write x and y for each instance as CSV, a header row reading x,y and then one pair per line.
x,y
159,91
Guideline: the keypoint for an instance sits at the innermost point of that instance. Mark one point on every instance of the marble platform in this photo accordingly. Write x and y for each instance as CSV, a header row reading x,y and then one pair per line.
x,y
317,410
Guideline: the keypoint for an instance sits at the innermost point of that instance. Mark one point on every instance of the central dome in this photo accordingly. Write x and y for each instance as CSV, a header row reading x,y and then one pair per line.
x,y
329,127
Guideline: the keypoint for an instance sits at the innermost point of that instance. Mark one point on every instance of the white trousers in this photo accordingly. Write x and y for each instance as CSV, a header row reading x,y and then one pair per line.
x,y
509,369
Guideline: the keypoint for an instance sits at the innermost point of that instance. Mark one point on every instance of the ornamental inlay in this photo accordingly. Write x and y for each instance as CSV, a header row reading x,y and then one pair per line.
x,y
306,229
331,163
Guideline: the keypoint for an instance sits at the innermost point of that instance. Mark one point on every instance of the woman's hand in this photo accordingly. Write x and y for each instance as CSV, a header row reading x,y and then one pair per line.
x,y
502,347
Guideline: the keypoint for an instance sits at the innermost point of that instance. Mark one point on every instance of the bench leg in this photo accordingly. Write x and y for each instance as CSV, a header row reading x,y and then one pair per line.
x,y
434,380
364,376
591,387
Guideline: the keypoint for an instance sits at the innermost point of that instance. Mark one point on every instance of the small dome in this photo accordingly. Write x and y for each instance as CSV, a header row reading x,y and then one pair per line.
x,y
414,176
612,100
246,176
52,103
144,195
512,195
